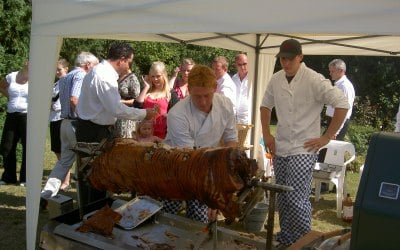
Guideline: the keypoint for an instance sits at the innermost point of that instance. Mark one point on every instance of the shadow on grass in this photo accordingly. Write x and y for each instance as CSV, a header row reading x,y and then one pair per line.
x,y
7,200
325,211
327,215
13,221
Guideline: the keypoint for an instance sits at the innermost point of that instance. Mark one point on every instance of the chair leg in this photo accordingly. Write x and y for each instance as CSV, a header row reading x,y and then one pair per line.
x,y
317,190
339,198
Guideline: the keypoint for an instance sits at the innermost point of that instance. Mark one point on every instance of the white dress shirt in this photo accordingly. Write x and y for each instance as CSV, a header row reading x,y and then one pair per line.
x,y
100,101
227,87
55,111
347,87
242,99
397,129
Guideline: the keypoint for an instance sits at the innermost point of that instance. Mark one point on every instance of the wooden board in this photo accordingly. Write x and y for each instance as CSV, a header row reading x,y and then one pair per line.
x,y
312,235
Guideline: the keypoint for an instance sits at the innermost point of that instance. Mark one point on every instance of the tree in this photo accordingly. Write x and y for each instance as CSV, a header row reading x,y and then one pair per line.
x,y
15,23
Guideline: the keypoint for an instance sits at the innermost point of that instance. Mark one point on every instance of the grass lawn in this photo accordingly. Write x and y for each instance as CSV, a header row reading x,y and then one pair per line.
x,y
12,209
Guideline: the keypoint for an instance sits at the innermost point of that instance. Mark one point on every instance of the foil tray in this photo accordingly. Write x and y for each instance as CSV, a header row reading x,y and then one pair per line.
x,y
137,211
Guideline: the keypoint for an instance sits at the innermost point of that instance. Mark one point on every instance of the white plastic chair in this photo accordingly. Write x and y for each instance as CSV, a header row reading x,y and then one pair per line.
x,y
333,169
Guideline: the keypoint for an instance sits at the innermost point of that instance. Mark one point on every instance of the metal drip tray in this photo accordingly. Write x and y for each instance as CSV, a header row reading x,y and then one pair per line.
x,y
166,231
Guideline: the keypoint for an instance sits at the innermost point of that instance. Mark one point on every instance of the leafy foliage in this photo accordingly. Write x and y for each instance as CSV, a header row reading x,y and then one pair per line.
x,y
376,81
72,47
15,20
360,136
147,52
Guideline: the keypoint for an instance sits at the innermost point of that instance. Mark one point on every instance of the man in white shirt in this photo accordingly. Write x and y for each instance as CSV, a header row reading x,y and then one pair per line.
x,y
298,95
70,89
225,85
337,71
100,103
200,120
397,129
242,89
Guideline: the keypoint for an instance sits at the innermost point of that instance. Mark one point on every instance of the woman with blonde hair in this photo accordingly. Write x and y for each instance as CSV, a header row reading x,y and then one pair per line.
x,y
180,85
157,94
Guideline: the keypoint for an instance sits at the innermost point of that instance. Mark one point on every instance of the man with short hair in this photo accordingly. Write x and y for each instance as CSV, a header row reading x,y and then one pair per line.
x,y
242,89
298,95
225,85
337,71
200,120
100,102
70,89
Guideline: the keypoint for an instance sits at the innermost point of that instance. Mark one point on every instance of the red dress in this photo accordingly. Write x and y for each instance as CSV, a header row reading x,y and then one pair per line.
x,y
178,90
160,121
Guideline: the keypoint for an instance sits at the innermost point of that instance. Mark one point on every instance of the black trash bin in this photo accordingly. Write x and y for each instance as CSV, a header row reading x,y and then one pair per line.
x,y
376,220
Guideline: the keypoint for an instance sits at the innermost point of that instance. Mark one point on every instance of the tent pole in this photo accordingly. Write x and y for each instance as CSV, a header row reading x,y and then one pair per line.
x,y
255,91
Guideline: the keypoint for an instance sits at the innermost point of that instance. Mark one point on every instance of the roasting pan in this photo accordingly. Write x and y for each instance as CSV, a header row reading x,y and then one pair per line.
x,y
137,211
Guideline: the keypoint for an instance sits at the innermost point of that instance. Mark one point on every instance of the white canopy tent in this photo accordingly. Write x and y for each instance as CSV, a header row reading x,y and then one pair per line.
x,y
353,27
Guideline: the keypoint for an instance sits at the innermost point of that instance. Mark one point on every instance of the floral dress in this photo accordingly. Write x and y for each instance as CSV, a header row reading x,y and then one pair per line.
x,y
129,88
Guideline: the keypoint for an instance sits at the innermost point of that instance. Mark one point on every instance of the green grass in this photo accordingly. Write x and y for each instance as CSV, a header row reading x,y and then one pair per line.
x,y
12,209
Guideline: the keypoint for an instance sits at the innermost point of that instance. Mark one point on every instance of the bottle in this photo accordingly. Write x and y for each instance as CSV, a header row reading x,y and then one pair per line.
x,y
347,215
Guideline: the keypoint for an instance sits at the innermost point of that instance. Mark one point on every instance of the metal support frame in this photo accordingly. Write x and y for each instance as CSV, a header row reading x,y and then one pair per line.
x,y
273,190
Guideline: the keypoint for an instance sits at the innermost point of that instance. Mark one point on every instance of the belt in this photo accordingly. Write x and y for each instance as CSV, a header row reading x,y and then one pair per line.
x,y
92,123
70,118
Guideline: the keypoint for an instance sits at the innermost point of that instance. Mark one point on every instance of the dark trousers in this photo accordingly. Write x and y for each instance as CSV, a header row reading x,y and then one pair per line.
x,y
87,131
343,131
14,130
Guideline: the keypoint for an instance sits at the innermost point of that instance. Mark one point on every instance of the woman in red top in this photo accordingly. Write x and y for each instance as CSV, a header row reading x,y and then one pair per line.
x,y
157,94
180,84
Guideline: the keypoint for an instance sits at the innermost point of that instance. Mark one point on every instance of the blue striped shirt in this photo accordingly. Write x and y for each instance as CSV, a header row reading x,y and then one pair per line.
x,y
69,86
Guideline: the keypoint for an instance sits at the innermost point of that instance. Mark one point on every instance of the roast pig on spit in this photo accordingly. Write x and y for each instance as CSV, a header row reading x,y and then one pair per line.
x,y
214,176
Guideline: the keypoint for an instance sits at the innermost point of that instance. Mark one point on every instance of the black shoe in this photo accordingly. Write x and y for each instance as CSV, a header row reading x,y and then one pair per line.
x,y
43,203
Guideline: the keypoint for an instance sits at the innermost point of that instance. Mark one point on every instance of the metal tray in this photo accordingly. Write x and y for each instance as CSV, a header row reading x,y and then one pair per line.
x,y
137,211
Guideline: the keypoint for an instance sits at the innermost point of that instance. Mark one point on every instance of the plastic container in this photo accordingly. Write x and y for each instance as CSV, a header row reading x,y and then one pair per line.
x,y
347,214
255,220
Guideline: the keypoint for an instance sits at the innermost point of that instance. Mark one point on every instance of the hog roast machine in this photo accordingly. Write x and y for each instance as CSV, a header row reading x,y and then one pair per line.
x,y
223,178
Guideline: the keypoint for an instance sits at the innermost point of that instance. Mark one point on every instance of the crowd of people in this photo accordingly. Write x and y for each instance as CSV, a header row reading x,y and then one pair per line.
x,y
198,106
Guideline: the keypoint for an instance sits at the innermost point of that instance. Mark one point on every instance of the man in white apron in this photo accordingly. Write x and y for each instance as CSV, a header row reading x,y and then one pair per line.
x,y
200,120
